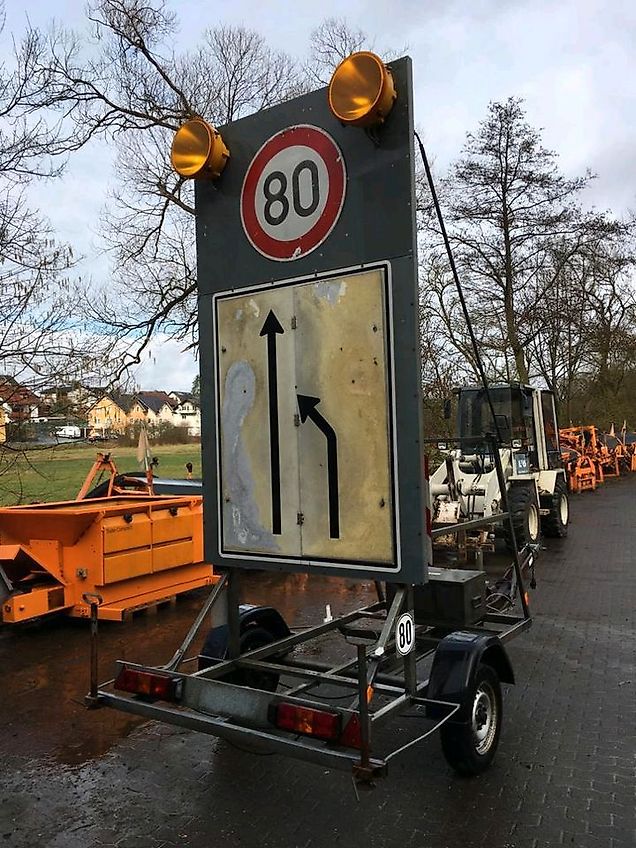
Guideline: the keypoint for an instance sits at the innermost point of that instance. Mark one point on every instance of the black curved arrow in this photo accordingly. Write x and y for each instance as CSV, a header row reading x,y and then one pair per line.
x,y
271,328
307,408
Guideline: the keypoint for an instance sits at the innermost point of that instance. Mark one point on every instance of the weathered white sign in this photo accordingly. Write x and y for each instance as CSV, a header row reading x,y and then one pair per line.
x,y
306,421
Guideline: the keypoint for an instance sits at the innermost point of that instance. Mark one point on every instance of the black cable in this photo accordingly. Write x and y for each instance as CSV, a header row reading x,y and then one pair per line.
x,y
460,292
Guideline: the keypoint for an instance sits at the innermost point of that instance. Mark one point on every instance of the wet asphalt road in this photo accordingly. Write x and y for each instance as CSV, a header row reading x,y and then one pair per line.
x,y
565,773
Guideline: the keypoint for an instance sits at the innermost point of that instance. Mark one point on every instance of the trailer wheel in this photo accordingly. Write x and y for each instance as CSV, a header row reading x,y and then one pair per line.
x,y
525,517
556,523
252,637
470,747
256,637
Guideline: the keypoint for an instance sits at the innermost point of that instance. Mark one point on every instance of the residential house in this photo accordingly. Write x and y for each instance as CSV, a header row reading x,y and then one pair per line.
x,y
110,413
153,407
4,420
72,398
22,402
187,412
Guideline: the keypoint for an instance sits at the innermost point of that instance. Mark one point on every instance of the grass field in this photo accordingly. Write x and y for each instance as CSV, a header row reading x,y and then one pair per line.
x,y
56,473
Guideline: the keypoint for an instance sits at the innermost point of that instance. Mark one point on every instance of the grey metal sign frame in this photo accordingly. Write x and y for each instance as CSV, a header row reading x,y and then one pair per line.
x,y
376,226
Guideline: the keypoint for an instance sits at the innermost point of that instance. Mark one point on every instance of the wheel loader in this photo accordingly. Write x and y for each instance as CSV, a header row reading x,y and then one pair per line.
x,y
465,487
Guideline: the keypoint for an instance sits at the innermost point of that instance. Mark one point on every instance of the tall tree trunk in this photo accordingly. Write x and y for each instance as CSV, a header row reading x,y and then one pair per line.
x,y
509,306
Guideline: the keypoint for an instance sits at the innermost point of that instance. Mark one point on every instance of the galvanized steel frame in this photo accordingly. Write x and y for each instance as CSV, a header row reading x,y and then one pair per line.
x,y
210,705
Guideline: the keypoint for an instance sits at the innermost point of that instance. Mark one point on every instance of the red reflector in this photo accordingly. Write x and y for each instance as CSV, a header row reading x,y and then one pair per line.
x,y
350,737
153,684
310,722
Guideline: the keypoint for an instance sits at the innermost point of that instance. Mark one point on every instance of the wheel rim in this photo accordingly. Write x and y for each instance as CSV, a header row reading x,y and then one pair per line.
x,y
564,509
533,523
484,718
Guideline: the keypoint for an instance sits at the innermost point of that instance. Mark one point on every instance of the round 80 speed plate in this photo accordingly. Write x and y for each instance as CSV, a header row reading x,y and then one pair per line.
x,y
293,193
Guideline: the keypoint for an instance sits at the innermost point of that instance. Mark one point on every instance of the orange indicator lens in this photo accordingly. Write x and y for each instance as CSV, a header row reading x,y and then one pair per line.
x,y
361,91
198,151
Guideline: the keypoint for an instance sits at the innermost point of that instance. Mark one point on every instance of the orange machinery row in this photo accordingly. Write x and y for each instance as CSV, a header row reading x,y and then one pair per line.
x,y
590,457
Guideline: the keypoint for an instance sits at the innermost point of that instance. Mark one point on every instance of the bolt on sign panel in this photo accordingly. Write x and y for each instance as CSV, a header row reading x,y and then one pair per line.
x,y
305,413
309,344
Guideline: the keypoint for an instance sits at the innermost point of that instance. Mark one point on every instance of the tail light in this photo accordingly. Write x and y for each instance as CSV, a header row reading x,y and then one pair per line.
x,y
310,722
350,736
153,684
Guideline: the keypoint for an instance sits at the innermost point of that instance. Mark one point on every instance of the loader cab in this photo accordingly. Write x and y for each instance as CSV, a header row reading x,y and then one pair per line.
x,y
526,419
513,404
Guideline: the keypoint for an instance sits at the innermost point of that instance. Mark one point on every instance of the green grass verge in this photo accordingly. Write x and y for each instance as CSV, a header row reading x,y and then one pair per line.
x,y
56,473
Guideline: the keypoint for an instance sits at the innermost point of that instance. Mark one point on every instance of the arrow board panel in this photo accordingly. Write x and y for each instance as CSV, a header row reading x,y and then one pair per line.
x,y
309,342
305,414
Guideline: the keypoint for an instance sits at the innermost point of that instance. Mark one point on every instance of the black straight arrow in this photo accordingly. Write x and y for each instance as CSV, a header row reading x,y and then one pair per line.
x,y
307,408
271,328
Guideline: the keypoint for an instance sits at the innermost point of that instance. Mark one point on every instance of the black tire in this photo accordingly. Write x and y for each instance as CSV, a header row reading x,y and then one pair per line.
x,y
470,748
252,637
524,509
556,523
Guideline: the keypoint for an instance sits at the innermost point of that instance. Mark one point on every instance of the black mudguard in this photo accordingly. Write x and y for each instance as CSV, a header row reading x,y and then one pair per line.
x,y
216,643
454,665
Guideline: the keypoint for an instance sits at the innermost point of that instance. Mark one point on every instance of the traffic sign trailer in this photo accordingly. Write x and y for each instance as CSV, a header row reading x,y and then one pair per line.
x,y
241,700
309,344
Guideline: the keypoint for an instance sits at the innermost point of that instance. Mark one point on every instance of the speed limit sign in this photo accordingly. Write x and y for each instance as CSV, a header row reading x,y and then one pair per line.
x,y
293,193
405,634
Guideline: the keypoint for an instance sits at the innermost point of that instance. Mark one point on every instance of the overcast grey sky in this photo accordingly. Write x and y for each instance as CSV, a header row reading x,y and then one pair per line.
x,y
573,62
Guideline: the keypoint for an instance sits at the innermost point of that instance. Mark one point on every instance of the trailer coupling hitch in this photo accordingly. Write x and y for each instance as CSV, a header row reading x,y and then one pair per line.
x,y
93,600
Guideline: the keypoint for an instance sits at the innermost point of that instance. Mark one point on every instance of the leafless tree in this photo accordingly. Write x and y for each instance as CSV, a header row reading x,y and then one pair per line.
x,y
127,85
330,43
518,231
123,82
39,335
42,336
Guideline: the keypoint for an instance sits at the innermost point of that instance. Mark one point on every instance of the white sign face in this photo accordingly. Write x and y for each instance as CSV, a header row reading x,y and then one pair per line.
x,y
293,193
305,417
405,634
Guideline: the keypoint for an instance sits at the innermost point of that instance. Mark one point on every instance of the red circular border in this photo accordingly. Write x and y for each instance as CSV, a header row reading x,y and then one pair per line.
x,y
322,143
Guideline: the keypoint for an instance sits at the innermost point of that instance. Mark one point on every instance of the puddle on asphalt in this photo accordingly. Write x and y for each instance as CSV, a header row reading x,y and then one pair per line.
x,y
44,666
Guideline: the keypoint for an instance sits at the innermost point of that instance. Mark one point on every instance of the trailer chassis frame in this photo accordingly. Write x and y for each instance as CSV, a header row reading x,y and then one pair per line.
x,y
241,714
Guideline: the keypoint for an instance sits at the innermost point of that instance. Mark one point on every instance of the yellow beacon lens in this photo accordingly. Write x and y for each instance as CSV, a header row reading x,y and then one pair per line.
x,y
361,91
198,151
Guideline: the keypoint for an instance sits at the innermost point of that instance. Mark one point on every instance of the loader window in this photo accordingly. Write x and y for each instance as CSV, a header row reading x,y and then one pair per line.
x,y
551,430
475,419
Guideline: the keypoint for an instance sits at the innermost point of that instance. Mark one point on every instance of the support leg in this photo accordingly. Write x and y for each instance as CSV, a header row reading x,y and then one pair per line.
x,y
233,601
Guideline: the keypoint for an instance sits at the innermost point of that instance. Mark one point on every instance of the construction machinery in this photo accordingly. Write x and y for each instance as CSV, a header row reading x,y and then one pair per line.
x,y
591,456
624,446
131,551
115,484
122,542
465,488
581,470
